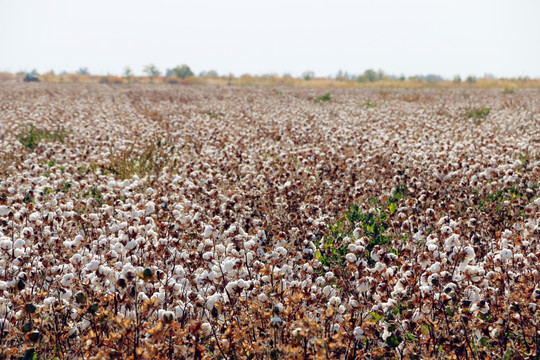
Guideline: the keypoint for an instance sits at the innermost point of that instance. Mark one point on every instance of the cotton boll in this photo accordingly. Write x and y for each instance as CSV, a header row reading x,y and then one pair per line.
x,y
19,243
358,333
118,248
208,231
229,265
92,265
67,280
6,243
350,257
76,259
506,254
262,297
250,244
435,268
131,245
149,208
211,300
334,301
4,211
364,287
281,251
432,246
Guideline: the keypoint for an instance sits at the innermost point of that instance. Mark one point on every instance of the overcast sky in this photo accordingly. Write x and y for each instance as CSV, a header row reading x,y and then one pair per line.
x,y
410,37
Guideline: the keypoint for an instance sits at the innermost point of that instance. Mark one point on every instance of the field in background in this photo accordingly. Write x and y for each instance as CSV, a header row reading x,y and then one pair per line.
x,y
232,222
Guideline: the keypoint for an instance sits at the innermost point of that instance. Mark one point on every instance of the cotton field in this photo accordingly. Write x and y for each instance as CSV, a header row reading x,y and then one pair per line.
x,y
200,222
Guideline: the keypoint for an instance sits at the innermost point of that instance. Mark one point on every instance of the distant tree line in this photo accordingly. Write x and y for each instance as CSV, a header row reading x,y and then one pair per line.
x,y
368,76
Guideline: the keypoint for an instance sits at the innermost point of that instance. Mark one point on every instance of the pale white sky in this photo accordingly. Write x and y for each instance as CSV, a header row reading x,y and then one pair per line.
x,y
253,36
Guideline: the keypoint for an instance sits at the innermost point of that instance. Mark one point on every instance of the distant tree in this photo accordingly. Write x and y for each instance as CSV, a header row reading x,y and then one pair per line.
x,y
287,75
152,71
471,79
433,78
308,75
82,71
182,71
380,75
128,74
210,73
402,77
371,75
457,79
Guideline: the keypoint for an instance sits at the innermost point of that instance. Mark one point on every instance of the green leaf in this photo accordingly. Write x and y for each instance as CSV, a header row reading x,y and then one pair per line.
x,y
29,355
147,274
393,341
93,308
392,207
27,327
30,308
80,298
376,316
483,341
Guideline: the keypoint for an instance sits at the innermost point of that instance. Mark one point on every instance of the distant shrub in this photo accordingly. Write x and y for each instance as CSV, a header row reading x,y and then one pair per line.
x,y
508,91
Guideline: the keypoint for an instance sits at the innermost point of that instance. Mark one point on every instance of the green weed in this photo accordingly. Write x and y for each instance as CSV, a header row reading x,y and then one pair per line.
x,y
323,98
30,136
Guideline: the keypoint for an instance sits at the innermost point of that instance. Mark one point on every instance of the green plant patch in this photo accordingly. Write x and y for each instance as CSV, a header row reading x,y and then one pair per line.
x,y
323,98
30,136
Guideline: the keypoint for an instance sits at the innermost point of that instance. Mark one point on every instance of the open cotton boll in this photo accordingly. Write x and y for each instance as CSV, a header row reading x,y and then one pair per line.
x,y
358,333
149,208
212,300
469,254
228,265
92,265
67,280
4,211
131,245
435,268
506,254
6,243
208,231
35,216
350,257
281,251
206,329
